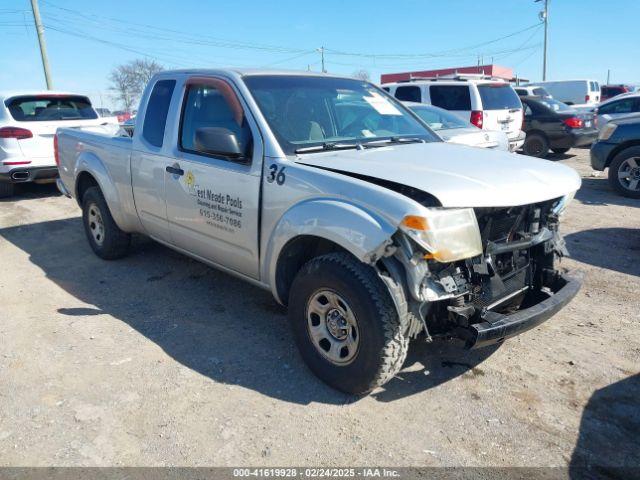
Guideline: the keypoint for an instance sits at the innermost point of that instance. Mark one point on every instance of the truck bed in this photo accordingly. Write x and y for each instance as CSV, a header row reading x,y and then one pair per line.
x,y
108,158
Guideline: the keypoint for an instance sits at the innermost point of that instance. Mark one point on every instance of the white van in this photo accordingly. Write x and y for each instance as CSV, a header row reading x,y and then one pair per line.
x,y
487,103
572,92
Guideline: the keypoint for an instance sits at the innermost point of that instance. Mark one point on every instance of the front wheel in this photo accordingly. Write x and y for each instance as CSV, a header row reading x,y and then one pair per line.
x,y
624,172
345,323
104,235
536,145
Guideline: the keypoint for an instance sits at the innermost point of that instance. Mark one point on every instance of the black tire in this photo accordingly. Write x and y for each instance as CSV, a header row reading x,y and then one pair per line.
x,y
536,145
382,345
111,242
560,151
6,190
620,164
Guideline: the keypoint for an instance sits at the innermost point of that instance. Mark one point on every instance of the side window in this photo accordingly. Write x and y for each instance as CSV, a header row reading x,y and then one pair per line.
x,y
521,91
409,94
621,106
450,97
527,110
386,89
213,110
155,117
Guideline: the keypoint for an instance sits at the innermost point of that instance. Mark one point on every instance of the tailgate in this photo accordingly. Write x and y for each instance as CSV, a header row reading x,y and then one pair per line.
x,y
41,144
502,108
507,121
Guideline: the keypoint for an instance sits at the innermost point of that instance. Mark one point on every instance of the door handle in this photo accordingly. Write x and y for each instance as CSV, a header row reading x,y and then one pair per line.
x,y
175,170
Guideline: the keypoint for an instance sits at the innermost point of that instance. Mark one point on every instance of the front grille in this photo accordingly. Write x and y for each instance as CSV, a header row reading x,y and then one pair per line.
x,y
510,272
494,289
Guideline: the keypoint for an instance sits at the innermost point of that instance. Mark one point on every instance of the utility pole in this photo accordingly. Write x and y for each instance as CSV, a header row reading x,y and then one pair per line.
x,y
544,16
43,46
321,50
608,75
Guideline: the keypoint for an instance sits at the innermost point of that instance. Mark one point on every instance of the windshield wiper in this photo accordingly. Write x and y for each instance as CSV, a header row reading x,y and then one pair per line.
x,y
328,146
374,143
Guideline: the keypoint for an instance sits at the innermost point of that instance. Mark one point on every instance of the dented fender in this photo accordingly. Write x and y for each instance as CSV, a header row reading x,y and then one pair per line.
x,y
360,232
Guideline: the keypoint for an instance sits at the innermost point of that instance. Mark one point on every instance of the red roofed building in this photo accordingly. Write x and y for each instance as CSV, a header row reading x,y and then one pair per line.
x,y
491,70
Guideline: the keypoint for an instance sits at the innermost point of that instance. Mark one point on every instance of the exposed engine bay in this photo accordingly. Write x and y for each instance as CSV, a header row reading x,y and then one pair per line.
x,y
515,271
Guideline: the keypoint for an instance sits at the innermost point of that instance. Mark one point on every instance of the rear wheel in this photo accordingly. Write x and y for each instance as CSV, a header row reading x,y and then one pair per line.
x,y
560,151
6,190
536,145
624,172
345,323
105,237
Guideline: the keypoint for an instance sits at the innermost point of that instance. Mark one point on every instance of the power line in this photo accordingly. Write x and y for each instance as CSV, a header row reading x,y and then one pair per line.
x,y
159,33
444,53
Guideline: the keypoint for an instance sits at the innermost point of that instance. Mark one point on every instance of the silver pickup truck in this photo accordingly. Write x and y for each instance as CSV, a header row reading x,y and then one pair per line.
x,y
340,201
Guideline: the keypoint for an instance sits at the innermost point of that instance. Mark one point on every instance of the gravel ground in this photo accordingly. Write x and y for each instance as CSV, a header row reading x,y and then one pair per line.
x,y
159,360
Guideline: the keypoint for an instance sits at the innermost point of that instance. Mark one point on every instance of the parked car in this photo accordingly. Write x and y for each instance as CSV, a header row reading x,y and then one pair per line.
x,y
529,91
610,91
618,149
451,128
104,112
551,124
621,106
367,226
122,116
485,102
572,92
28,121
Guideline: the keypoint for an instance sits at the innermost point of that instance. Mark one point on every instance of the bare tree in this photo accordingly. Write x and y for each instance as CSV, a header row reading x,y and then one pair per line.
x,y
361,75
128,80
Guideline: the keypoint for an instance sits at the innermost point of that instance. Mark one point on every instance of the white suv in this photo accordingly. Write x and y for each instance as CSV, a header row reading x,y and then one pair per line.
x,y
487,103
28,123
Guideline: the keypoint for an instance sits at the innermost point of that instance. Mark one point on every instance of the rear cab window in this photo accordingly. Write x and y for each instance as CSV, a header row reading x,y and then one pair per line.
x,y
451,97
47,108
498,96
155,117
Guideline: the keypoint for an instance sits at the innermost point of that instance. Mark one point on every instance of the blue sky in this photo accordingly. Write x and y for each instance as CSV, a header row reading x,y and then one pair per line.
x,y
86,39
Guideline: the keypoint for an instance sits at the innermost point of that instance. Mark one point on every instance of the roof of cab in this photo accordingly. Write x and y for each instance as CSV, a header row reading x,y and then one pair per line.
x,y
245,72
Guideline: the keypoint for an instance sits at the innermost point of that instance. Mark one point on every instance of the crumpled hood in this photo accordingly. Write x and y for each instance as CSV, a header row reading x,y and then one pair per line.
x,y
457,175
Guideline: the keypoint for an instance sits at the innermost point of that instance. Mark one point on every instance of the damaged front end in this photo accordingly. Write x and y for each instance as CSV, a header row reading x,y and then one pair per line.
x,y
508,288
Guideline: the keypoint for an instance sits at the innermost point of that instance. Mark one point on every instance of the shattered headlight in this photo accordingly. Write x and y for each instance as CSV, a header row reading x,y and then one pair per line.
x,y
448,234
562,204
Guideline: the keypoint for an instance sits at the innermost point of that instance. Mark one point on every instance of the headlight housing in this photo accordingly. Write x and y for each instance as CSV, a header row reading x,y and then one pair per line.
x,y
607,131
448,234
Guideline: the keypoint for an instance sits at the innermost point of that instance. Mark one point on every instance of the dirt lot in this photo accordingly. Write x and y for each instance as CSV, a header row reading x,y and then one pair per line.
x,y
159,360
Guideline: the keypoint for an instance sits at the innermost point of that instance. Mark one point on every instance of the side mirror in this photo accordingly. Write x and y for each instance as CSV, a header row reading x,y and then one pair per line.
x,y
218,141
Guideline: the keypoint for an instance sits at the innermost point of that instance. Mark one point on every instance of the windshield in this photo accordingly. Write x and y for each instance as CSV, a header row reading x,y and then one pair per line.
x,y
439,119
44,108
308,111
498,96
555,105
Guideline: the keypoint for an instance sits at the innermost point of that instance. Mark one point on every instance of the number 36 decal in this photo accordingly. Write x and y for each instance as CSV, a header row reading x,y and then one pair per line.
x,y
275,174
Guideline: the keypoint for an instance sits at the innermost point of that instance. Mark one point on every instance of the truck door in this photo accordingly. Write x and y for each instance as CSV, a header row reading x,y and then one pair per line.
x,y
148,162
213,185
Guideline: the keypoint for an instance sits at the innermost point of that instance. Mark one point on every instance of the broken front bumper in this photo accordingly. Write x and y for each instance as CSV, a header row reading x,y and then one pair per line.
x,y
496,327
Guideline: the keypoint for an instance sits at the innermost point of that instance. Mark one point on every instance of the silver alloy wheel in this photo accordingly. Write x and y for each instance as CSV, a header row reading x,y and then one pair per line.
x,y
96,225
629,174
332,327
